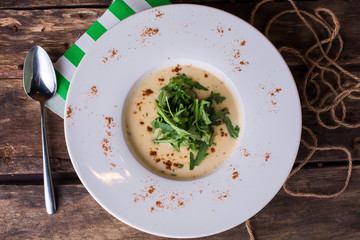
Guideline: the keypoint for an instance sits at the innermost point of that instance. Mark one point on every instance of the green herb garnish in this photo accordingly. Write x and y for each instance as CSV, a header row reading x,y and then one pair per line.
x,y
185,120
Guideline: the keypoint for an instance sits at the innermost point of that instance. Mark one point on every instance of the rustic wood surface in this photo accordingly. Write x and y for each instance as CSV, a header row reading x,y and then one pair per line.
x,y
55,25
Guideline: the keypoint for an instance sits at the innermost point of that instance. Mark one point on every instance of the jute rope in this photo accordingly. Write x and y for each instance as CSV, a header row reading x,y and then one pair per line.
x,y
249,229
332,84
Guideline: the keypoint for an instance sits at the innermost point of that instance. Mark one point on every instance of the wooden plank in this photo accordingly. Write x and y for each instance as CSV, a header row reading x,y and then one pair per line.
x,y
24,4
21,128
31,166
57,29
22,213
288,217
20,133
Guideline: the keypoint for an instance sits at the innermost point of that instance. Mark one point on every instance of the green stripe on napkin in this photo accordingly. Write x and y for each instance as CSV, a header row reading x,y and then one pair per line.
x,y
96,30
156,3
62,85
121,10
74,54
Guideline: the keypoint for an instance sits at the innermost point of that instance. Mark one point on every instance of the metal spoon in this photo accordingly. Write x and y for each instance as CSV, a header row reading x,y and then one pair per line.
x,y
40,85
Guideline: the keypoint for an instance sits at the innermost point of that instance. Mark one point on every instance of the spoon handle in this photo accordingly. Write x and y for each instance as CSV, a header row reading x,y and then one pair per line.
x,y
48,185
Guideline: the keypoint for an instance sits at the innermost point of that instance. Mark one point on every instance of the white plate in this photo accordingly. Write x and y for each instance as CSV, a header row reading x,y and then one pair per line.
x,y
208,38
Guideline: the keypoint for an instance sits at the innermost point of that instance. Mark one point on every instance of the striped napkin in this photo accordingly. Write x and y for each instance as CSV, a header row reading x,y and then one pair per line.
x,y
66,66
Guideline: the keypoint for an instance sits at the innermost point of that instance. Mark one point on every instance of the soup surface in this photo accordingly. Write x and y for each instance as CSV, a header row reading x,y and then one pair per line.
x,y
162,158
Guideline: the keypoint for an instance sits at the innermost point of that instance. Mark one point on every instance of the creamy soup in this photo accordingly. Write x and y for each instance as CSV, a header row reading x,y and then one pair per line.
x,y
162,158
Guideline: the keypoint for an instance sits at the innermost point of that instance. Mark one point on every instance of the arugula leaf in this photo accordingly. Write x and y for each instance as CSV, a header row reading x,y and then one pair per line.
x,y
201,153
234,132
165,127
192,161
219,115
197,85
216,97
164,94
204,115
155,124
191,83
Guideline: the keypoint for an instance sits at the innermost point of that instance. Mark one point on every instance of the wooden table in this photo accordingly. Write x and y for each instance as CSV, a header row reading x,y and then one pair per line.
x,y
55,25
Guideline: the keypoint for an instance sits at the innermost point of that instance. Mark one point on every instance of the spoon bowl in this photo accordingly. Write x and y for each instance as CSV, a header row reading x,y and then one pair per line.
x,y
39,75
40,85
